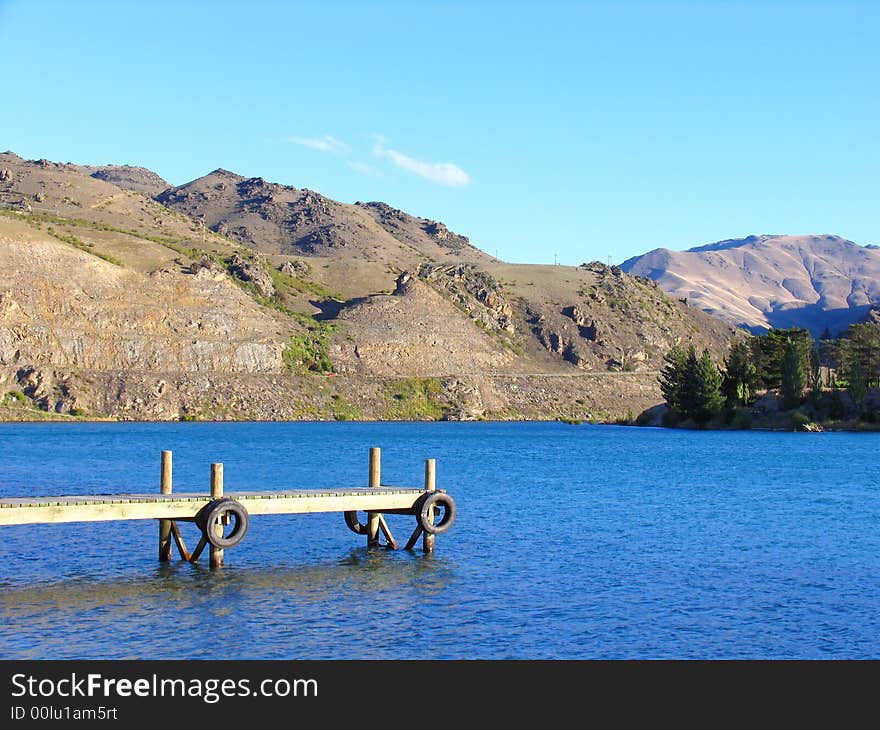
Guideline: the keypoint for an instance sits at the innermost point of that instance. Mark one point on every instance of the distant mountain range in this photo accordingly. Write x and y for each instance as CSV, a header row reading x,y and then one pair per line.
x,y
759,282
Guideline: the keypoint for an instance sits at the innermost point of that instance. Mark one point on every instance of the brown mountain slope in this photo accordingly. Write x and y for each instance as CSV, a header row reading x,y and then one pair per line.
x,y
771,281
115,304
280,219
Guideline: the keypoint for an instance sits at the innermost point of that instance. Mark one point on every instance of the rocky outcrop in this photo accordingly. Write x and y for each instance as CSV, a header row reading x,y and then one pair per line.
x,y
476,292
295,268
252,272
417,331
586,326
427,235
136,179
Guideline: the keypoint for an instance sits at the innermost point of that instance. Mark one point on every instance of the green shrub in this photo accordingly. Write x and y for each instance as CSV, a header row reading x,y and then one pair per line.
x,y
414,399
14,397
799,420
307,353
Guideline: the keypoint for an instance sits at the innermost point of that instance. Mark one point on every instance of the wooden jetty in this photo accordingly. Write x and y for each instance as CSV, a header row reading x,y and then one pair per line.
x,y
223,517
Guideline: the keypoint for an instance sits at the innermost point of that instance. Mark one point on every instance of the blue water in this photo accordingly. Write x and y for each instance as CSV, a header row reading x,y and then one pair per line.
x,y
571,542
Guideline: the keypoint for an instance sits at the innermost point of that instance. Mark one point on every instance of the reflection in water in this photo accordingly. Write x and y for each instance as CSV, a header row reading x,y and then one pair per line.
x,y
362,570
286,601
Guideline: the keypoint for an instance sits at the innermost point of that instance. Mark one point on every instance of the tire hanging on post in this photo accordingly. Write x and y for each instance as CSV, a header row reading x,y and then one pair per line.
x,y
354,524
436,499
213,511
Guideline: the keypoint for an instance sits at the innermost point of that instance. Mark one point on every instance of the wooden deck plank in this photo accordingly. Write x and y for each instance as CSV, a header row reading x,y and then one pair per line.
x,y
96,508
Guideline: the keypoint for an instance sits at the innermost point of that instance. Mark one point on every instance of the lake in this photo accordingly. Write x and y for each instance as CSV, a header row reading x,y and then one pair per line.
x,y
572,542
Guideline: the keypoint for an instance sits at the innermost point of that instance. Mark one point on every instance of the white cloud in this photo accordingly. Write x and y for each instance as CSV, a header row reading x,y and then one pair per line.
x,y
365,169
445,173
322,144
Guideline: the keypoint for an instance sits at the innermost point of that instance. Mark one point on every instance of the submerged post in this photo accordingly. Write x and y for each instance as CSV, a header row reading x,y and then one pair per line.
x,y
216,493
375,481
430,486
165,525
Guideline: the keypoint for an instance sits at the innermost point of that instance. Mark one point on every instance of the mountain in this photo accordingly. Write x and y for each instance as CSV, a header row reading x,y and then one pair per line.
x,y
767,281
280,219
238,298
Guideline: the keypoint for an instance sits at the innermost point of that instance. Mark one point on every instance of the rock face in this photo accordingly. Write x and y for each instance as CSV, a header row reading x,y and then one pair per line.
x,y
253,273
416,331
106,317
771,281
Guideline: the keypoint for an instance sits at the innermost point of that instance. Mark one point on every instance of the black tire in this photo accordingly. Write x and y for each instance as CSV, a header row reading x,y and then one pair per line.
x,y
354,524
211,512
437,499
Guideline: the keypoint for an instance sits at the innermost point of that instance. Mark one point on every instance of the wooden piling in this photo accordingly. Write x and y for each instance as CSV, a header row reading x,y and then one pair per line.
x,y
165,525
430,486
216,493
375,481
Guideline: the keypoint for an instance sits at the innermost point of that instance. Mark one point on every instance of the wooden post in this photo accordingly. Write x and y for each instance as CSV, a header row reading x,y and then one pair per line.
x,y
165,525
430,486
375,481
216,493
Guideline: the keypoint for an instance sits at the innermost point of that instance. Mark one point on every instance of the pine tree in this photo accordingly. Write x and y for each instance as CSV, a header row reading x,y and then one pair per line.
x,y
672,378
704,387
863,350
858,386
739,375
768,351
690,383
815,378
793,379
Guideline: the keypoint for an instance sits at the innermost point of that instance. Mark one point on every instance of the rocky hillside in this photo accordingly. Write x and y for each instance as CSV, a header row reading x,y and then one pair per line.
x,y
279,219
771,281
233,297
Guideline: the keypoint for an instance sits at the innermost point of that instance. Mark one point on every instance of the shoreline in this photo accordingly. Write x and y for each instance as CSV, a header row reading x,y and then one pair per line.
x,y
860,427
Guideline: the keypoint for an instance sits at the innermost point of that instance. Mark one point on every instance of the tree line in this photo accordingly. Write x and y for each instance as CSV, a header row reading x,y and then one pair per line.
x,y
786,360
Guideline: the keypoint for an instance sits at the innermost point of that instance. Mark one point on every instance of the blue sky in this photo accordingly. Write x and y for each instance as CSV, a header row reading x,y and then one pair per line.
x,y
581,131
